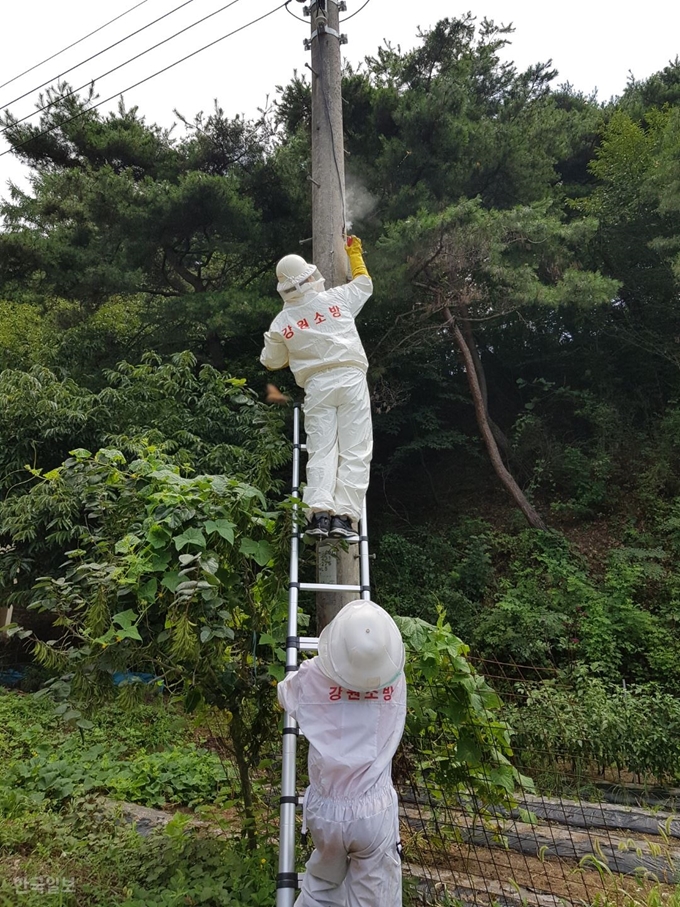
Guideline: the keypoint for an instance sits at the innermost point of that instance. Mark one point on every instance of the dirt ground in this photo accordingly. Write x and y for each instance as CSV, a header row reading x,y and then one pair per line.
x,y
488,873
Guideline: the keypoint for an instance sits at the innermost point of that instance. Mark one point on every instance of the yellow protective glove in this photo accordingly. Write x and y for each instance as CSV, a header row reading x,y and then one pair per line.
x,y
355,252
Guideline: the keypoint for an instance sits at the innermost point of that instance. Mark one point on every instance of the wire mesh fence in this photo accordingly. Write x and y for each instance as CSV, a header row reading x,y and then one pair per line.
x,y
597,821
593,822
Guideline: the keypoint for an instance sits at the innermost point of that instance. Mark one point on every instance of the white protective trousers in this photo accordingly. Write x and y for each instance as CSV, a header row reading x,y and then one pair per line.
x,y
355,862
337,411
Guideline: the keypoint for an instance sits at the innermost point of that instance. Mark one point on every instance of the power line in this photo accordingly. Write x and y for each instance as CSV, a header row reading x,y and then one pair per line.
x,y
120,66
142,81
294,16
69,46
347,18
82,63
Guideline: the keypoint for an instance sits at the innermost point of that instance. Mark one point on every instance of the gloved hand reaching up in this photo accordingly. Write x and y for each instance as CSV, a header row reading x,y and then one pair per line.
x,y
355,253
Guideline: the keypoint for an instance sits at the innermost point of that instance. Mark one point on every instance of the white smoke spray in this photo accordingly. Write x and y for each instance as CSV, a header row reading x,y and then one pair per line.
x,y
359,203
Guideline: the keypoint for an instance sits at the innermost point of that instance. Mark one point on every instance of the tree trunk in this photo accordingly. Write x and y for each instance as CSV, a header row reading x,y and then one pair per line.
x,y
498,433
500,469
215,350
238,732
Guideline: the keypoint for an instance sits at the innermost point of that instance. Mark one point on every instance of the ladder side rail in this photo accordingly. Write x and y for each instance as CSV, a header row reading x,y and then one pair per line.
x,y
287,879
364,557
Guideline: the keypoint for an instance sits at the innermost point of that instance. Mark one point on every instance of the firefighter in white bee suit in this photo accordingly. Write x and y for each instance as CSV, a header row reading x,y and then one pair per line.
x,y
316,336
350,704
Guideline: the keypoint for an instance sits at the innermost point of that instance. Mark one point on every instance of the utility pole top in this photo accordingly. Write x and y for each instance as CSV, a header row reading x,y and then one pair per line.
x,y
328,147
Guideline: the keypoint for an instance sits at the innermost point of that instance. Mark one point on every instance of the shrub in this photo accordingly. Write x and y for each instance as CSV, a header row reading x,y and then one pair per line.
x,y
454,725
583,725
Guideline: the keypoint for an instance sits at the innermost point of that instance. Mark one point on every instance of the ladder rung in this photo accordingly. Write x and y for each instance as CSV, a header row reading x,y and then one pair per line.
x,y
309,643
328,587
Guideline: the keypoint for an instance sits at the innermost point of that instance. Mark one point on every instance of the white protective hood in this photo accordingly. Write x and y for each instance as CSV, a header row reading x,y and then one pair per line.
x,y
362,648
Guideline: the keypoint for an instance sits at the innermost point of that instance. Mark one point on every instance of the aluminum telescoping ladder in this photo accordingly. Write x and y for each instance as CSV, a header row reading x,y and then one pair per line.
x,y
288,880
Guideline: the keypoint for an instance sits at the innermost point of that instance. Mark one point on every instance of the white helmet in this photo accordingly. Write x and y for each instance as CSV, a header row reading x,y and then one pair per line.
x,y
362,649
296,277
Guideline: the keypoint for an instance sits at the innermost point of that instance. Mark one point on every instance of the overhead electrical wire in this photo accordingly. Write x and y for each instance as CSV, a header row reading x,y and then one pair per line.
x,y
344,19
82,62
142,81
69,46
299,18
120,66
356,13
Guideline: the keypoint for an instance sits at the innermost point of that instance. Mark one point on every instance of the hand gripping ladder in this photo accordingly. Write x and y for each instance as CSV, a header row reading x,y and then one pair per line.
x,y
288,880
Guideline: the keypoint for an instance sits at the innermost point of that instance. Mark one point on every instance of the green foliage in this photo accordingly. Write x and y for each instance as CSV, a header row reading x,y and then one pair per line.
x,y
97,860
54,824
206,419
24,336
163,573
40,416
450,118
584,726
418,573
636,201
178,775
143,560
532,598
550,610
120,209
144,755
524,256
455,734
569,443
177,871
24,723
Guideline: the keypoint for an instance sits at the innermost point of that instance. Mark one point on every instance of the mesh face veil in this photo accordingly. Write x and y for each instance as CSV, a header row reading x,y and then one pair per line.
x,y
296,278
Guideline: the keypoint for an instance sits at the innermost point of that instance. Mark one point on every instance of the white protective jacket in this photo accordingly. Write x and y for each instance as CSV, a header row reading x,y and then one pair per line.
x,y
316,331
352,736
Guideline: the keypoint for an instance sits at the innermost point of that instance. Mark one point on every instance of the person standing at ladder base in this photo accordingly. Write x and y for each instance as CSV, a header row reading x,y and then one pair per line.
x,y
350,704
315,334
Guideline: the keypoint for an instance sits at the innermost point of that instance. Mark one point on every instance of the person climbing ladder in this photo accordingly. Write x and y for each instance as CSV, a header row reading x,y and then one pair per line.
x,y
350,704
316,336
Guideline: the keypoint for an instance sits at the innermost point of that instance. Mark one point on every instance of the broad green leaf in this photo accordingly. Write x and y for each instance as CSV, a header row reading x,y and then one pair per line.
x,y
147,591
190,537
127,544
261,552
171,580
222,527
158,536
125,619
277,671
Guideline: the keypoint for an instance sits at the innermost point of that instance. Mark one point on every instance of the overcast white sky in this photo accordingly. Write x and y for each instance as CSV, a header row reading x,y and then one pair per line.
x,y
593,45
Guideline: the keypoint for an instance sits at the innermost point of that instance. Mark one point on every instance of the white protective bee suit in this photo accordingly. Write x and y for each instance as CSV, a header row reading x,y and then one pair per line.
x,y
316,336
350,806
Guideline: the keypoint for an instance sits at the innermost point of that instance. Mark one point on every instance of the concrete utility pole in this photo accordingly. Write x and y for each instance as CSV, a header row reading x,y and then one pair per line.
x,y
333,563
328,149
